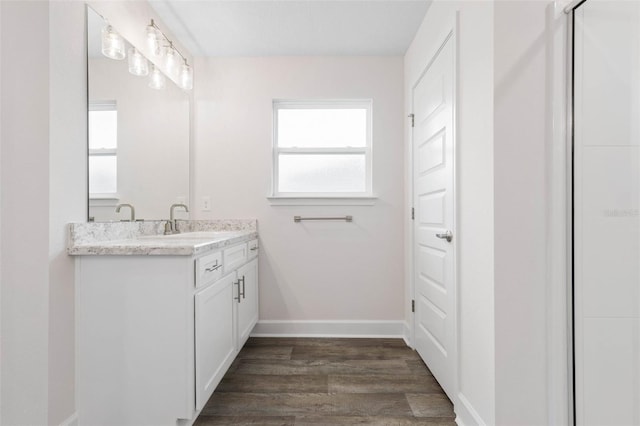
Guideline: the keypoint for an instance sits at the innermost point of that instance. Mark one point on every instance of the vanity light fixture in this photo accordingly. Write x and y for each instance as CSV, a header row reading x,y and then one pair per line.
x,y
171,60
153,39
161,45
112,43
156,78
138,64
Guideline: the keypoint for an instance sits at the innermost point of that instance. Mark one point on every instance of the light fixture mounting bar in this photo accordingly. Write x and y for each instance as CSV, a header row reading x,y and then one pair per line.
x,y
168,40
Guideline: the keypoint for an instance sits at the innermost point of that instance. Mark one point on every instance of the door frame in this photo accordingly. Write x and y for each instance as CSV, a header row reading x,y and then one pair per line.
x,y
450,32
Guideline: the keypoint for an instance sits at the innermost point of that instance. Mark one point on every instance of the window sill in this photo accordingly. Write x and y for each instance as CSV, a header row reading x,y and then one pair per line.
x,y
103,200
322,201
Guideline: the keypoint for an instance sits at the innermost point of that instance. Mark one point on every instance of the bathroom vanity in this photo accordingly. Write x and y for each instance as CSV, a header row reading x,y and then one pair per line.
x,y
160,318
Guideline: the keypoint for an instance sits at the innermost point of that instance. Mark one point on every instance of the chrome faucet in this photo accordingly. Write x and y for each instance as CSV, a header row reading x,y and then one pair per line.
x,y
133,210
173,223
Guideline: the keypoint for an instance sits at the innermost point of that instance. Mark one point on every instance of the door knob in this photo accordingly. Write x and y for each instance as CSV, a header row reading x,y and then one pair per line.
x,y
446,236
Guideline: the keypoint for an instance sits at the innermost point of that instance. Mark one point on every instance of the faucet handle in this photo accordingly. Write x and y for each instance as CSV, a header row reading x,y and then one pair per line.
x,y
168,228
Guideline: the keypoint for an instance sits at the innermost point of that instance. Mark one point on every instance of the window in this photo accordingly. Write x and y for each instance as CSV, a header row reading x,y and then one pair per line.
x,y
103,144
322,149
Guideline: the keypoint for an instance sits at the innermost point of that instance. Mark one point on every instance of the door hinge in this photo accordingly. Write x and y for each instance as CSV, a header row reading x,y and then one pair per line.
x,y
413,213
413,119
413,306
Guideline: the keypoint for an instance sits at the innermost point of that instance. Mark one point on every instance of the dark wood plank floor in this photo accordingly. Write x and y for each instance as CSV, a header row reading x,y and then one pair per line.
x,y
297,381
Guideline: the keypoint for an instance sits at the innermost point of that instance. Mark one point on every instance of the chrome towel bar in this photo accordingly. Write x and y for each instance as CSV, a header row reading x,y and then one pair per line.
x,y
345,218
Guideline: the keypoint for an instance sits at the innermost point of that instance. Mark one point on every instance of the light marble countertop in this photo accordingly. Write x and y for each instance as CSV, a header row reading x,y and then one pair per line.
x,y
131,238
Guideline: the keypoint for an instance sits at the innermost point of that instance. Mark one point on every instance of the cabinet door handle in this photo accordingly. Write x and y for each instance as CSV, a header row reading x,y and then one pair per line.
x,y
242,279
238,284
254,248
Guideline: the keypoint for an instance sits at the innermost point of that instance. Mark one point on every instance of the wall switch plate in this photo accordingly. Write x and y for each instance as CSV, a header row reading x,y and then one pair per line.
x,y
206,203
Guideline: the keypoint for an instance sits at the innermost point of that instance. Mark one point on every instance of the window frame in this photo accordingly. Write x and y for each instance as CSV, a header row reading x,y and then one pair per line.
x,y
100,198
367,150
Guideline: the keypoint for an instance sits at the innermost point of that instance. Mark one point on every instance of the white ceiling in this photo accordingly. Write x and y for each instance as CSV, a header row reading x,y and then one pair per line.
x,y
293,27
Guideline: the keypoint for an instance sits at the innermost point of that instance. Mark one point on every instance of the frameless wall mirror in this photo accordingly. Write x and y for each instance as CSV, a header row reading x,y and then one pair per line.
x,y
138,123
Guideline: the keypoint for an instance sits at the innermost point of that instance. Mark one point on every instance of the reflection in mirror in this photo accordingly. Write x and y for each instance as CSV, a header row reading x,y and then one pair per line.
x,y
138,135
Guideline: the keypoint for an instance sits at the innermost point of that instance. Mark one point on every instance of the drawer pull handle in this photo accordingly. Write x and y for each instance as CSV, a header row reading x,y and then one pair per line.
x,y
213,268
238,284
254,248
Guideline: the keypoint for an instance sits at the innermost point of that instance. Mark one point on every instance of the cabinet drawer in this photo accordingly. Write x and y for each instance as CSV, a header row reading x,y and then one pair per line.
x,y
208,268
253,248
234,257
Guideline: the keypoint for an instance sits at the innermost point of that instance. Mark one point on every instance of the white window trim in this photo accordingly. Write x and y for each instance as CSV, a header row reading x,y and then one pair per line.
x,y
104,151
334,198
323,201
104,200
103,105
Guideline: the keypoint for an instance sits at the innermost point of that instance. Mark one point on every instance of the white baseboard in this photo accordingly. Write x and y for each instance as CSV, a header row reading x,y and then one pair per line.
x,y
279,328
466,415
406,334
72,420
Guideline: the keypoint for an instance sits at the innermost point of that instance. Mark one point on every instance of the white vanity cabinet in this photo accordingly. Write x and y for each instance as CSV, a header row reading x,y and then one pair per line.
x,y
222,328
156,334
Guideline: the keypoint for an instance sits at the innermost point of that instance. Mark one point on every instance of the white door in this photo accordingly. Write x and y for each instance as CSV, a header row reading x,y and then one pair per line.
x,y
433,229
607,213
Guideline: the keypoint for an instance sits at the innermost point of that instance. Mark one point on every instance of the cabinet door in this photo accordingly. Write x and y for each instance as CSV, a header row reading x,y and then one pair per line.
x,y
248,303
215,338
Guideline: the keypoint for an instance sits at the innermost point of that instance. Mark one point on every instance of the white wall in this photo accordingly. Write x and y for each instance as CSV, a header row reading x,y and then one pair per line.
x,y
475,398
521,202
25,212
153,141
43,174
308,271
67,193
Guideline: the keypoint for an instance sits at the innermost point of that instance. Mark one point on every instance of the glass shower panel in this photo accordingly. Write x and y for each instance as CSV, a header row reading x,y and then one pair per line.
x,y
607,212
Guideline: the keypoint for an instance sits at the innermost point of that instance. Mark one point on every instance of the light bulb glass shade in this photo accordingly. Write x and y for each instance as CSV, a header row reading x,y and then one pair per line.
x,y
186,77
138,64
172,61
153,40
156,79
112,44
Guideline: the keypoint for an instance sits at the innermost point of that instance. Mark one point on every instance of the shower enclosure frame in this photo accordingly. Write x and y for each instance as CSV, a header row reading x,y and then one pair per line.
x,y
560,137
